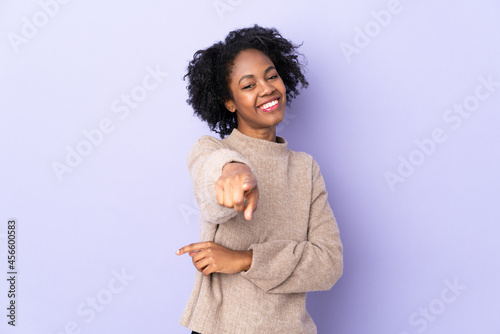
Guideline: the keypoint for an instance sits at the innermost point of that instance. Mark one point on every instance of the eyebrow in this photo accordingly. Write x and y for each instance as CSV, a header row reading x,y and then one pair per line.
x,y
248,76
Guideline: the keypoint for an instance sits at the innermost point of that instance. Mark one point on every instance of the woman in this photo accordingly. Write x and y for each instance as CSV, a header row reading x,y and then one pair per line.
x,y
268,233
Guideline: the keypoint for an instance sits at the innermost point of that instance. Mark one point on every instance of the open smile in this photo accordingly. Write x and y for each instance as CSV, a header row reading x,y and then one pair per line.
x,y
270,105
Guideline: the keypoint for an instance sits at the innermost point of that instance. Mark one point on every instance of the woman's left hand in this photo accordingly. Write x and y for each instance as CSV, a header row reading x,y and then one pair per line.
x,y
209,257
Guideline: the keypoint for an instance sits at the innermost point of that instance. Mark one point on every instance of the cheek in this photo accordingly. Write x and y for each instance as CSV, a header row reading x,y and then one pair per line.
x,y
245,102
283,88
280,86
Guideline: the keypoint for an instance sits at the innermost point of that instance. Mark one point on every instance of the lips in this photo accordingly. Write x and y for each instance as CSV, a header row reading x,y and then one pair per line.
x,y
270,105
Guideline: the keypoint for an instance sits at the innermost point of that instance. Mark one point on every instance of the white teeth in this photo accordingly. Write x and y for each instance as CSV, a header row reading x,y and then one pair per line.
x,y
269,104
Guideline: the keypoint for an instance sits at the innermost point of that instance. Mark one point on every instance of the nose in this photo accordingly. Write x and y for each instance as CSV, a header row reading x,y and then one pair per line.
x,y
267,88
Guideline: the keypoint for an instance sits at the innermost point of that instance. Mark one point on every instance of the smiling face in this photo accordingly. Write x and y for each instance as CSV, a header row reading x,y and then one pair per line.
x,y
259,95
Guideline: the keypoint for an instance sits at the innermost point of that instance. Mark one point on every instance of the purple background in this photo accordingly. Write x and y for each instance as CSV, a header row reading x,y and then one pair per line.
x,y
421,255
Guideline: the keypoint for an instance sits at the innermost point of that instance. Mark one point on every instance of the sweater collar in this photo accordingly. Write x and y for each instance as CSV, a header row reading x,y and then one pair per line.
x,y
249,146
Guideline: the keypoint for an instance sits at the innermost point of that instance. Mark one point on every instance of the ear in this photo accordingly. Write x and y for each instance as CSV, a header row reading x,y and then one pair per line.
x,y
230,105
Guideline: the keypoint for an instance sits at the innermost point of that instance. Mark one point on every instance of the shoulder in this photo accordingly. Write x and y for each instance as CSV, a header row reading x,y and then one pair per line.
x,y
301,157
214,149
208,143
208,140
304,161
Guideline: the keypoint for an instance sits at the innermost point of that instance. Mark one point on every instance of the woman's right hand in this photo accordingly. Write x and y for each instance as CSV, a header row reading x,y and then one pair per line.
x,y
237,188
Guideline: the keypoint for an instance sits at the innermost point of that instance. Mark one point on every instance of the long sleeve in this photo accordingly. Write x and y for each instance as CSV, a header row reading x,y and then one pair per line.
x,y
285,266
293,235
205,162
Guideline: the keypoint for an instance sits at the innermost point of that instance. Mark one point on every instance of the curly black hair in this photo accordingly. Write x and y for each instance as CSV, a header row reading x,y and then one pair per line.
x,y
209,73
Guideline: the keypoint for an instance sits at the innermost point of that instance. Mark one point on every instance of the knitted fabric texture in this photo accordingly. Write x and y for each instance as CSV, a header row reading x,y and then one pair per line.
x,y
293,234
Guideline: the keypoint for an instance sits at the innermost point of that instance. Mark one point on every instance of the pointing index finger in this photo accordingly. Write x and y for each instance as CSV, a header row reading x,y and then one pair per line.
x,y
192,247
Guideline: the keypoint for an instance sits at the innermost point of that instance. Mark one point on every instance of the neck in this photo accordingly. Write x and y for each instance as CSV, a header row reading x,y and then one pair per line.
x,y
268,134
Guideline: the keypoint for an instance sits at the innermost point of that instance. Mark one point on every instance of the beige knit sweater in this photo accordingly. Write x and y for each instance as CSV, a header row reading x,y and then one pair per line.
x,y
293,235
